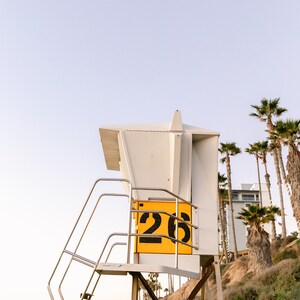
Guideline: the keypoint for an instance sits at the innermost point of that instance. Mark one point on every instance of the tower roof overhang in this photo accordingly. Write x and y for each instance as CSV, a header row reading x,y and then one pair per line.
x,y
109,136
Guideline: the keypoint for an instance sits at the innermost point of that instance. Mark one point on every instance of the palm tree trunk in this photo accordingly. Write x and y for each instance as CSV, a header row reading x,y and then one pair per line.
x,y
259,249
273,226
223,226
233,233
282,170
259,182
225,233
268,183
279,182
293,167
228,170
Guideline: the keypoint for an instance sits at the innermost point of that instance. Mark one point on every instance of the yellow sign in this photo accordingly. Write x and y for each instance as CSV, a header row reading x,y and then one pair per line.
x,y
158,218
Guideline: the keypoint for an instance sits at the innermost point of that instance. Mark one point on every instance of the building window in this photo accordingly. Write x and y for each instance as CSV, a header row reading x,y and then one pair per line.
x,y
248,197
235,196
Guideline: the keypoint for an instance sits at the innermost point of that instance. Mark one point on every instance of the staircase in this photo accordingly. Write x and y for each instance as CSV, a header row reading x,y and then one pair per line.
x,y
129,240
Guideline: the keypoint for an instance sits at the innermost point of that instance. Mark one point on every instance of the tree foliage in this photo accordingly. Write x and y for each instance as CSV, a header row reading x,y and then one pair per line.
x,y
266,112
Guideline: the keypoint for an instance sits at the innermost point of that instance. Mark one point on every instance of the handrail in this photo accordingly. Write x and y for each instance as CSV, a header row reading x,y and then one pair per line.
x,y
77,221
130,234
84,231
81,259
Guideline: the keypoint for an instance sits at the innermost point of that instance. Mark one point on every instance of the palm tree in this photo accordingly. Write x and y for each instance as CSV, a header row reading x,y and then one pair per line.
x,y
263,149
258,241
223,196
254,150
289,132
265,113
230,149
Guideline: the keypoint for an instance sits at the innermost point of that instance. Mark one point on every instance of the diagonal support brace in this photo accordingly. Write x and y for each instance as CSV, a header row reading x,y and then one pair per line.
x,y
209,268
145,284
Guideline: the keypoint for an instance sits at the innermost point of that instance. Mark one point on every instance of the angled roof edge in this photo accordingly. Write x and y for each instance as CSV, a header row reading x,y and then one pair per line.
x,y
109,136
159,127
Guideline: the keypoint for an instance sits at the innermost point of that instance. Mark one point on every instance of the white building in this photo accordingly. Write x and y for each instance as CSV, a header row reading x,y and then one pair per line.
x,y
243,198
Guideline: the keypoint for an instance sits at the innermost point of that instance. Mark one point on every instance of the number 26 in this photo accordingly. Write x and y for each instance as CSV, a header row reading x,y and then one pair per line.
x,y
171,227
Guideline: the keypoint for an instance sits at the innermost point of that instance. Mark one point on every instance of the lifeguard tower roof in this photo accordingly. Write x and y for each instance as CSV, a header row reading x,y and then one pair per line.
x,y
109,136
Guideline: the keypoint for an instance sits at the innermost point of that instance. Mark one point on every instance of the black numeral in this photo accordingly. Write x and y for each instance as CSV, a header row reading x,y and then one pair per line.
x,y
172,227
156,224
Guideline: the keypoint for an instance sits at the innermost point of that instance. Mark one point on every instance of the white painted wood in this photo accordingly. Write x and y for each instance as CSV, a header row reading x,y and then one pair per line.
x,y
174,156
123,269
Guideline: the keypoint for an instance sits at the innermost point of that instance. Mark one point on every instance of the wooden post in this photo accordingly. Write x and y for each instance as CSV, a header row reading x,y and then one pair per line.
x,y
135,287
218,277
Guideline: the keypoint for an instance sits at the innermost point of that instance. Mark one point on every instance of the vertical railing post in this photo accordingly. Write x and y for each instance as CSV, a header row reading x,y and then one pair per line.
x,y
129,225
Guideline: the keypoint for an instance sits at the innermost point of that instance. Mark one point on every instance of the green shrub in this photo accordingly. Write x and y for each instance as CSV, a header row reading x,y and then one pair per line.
x,y
248,293
294,294
286,279
285,254
280,282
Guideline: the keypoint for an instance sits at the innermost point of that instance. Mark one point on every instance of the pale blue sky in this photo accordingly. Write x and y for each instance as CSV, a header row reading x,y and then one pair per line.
x,y
67,67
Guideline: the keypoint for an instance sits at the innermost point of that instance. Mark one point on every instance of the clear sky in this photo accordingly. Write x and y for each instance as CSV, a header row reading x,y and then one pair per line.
x,y
67,67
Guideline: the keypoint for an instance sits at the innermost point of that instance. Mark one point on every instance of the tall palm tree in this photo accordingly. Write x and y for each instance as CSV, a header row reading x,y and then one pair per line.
x,y
228,150
258,241
289,132
263,149
267,110
223,197
254,150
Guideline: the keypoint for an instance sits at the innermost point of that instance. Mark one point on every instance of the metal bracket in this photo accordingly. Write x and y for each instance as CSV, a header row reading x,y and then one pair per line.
x,y
86,296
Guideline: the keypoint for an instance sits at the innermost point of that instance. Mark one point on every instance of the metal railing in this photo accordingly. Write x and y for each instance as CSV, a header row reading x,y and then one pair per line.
x,y
65,251
129,235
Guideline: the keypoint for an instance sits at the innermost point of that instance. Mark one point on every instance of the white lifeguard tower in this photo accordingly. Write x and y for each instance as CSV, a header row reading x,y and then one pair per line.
x,y
169,175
